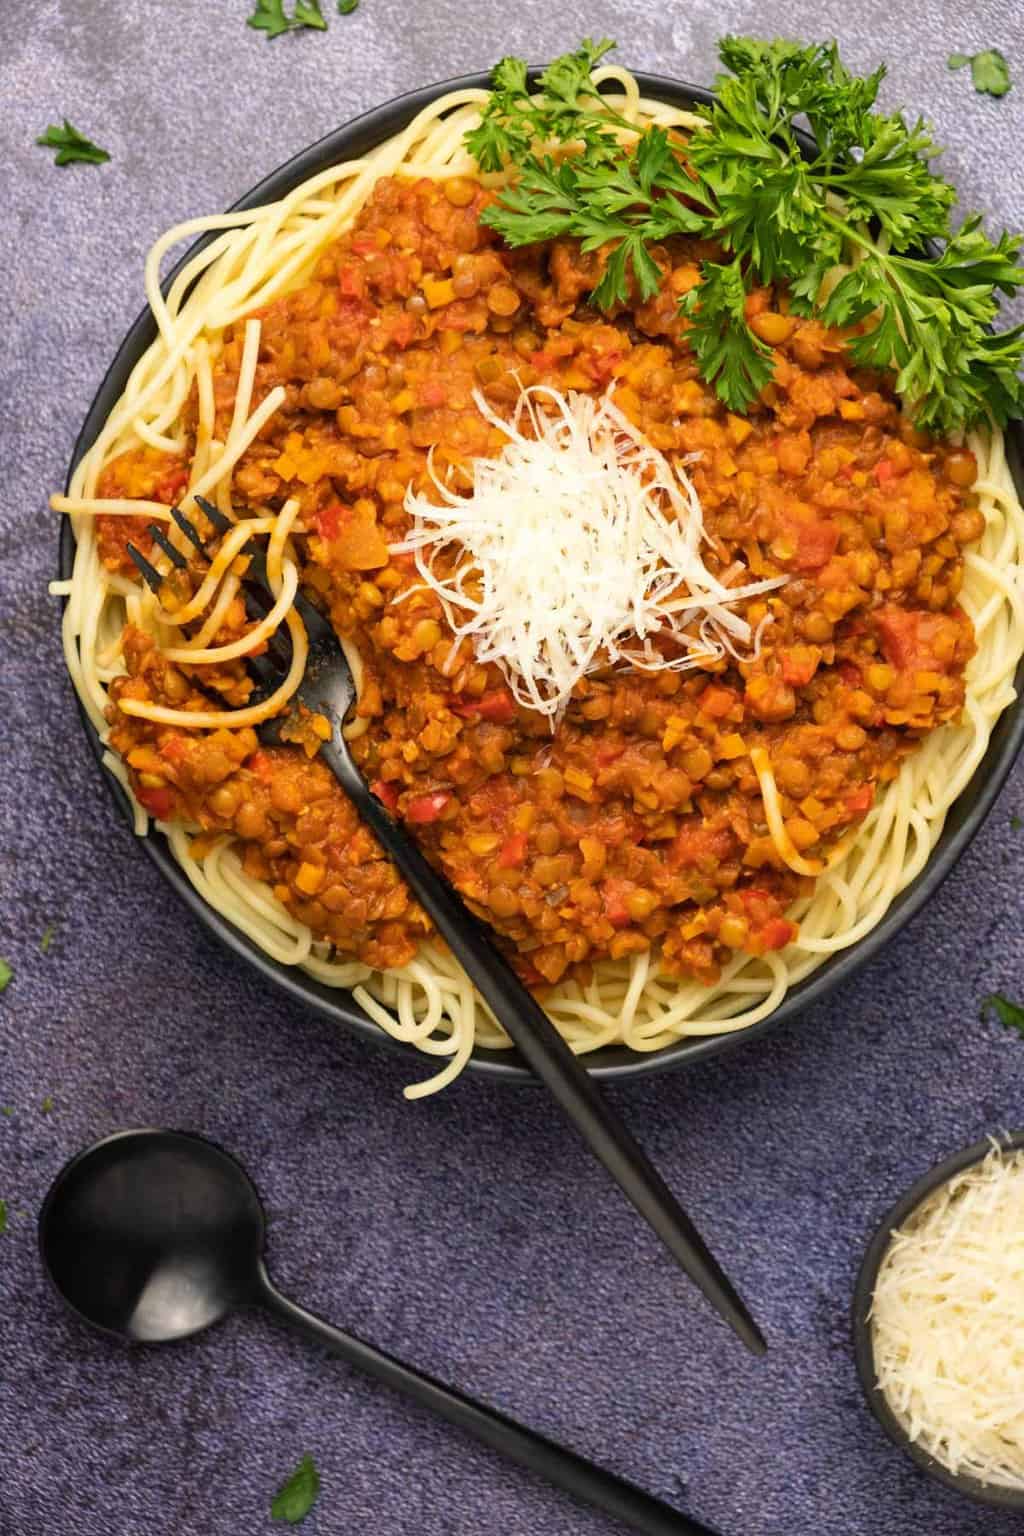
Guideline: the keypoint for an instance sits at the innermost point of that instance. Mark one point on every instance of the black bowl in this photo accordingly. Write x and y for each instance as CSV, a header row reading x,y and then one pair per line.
x,y
964,819
982,1493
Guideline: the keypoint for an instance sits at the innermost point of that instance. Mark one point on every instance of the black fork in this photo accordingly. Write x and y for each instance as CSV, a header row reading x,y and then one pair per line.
x,y
327,689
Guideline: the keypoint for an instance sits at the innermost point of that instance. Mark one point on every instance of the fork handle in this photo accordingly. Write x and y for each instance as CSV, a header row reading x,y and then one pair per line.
x,y
547,1053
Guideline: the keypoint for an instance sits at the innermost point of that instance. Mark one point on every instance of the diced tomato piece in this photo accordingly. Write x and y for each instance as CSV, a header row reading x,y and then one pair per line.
x,y
815,545
259,764
158,802
424,809
608,754
498,707
513,852
861,800
601,365
760,905
174,748
615,909
401,328
171,486
358,543
716,701
850,673
432,393
362,245
777,933
884,470
909,635
698,844
799,666
328,521
386,793
352,282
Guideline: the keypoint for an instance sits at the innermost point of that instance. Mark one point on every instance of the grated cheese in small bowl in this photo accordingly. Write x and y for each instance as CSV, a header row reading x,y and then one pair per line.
x,y
940,1323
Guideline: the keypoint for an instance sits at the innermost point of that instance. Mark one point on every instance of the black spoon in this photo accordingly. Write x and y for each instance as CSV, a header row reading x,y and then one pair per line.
x,y
153,1235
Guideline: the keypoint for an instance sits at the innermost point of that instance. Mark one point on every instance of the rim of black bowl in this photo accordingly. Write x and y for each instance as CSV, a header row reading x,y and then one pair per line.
x,y
964,819
863,1347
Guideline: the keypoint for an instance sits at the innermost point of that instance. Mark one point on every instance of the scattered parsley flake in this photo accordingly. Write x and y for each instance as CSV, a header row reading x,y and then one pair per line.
x,y
71,145
1009,1013
781,217
47,1105
269,17
309,14
346,7
296,1497
49,933
6,974
990,73
3,1216
7,1111
1016,823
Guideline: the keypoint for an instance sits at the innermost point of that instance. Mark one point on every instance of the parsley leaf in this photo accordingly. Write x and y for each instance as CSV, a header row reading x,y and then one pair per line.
x,y
309,14
568,107
269,17
6,975
346,7
990,73
1008,1013
49,932
71,145
296,1497
1016,823
731,357
3,1216
46,1107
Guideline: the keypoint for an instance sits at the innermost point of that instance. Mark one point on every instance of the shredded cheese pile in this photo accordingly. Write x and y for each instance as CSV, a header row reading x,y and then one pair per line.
x,y
948,1322
577,547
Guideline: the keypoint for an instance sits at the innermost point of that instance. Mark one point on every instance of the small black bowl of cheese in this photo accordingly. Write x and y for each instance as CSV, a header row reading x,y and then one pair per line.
x,y
938,1322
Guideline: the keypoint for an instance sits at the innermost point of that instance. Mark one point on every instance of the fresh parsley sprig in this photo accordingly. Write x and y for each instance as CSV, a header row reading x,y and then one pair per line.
x,y
780,212
568,109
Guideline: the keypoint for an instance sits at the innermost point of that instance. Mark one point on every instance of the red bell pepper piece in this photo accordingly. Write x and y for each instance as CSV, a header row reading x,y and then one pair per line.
x,y
424,809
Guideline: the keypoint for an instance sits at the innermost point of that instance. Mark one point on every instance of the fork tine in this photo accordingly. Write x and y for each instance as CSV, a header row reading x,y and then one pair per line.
x,y
214,513
150,575
189,529
263,669
174,555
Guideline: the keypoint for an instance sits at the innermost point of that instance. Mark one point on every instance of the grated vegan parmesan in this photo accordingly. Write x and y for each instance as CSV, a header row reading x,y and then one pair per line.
x,y
947,1322
578,546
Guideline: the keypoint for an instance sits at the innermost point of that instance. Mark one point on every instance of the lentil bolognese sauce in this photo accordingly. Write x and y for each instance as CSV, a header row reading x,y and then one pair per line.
x,y
675,846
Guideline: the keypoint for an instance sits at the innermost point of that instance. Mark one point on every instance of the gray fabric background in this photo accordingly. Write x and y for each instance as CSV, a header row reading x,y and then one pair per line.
x,y
469,1233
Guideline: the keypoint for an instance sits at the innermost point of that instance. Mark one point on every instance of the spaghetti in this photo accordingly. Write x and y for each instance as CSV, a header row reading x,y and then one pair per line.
x,y
254,258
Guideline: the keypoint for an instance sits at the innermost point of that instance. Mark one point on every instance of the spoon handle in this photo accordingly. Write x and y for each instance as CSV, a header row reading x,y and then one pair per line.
x,y
628,1503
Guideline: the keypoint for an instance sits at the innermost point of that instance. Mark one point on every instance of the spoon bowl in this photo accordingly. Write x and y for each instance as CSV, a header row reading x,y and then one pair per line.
x,y
153,1235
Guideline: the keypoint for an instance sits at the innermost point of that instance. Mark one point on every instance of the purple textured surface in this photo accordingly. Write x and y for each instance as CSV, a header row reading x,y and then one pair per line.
x,y
469,1233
